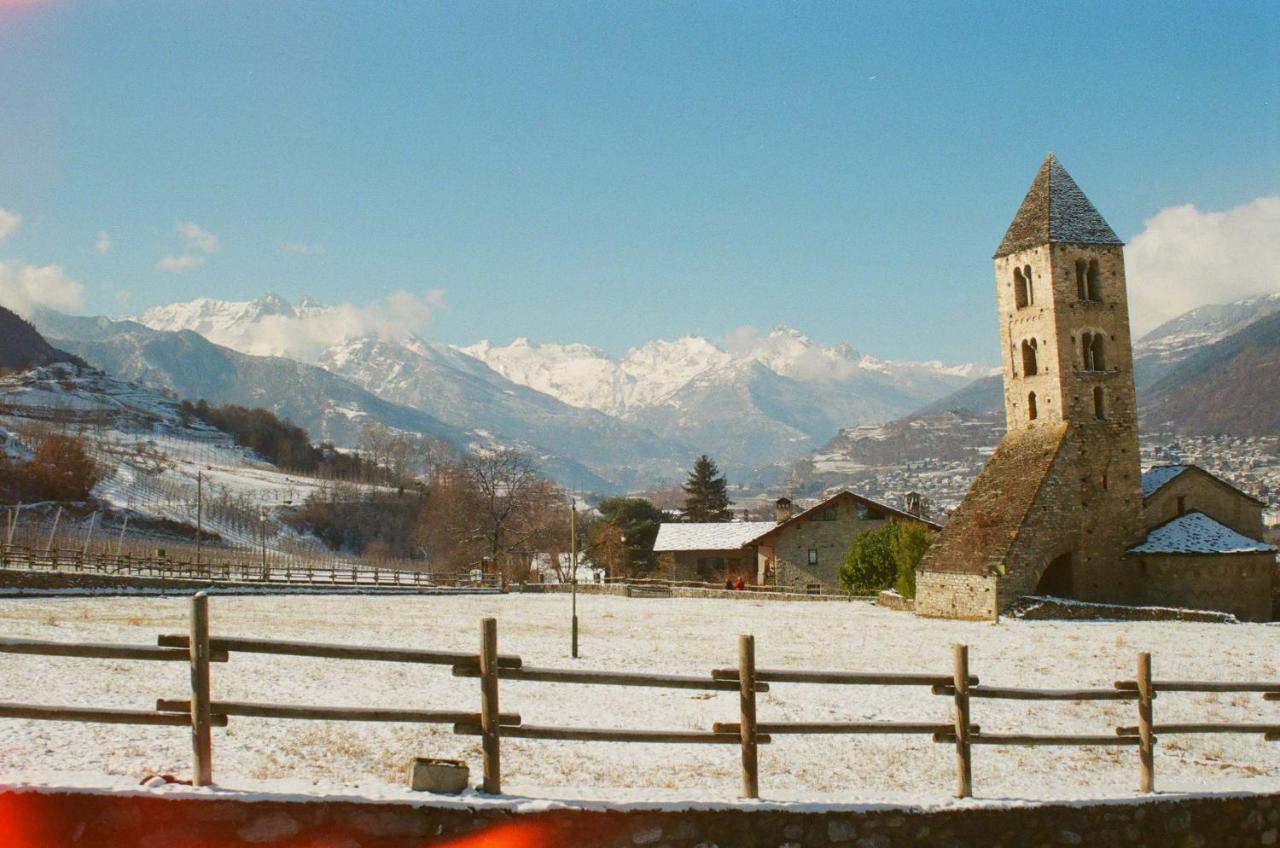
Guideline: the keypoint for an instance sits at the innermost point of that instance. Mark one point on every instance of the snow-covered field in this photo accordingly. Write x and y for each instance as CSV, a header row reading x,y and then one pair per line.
x,y
668,636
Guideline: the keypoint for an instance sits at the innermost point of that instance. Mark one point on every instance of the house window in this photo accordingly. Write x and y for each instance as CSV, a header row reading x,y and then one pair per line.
x,y
1029,358
828,514
813,556
1099,403
1031,407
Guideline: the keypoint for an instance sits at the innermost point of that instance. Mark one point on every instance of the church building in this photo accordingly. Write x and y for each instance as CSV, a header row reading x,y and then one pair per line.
x,y
1062,506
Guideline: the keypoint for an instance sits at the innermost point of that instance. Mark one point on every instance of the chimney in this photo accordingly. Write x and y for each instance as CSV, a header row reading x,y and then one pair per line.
x,y
913,503
781,509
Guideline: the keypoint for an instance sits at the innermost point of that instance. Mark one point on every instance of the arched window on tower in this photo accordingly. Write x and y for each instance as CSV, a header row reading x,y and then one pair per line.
x,y
1029,358
1093,283
1086,352
1082,275
1099,403
1032,412
1031,290
1021,289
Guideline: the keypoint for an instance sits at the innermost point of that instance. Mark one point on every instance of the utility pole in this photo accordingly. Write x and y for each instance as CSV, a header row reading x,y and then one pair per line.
x,y
199,512
573,566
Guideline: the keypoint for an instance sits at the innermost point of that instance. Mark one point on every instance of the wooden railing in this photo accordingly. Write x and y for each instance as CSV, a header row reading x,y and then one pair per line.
x,y
201,712
246,571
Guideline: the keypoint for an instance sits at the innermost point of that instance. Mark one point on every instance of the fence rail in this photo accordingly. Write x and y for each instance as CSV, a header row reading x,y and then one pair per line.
x,y
201,712
246,571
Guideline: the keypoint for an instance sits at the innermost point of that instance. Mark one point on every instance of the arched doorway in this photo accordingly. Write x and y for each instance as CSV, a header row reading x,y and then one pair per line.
x,y
1056,580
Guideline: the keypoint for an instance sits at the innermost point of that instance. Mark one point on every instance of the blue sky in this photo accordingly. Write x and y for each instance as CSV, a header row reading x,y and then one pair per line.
x,y
615,172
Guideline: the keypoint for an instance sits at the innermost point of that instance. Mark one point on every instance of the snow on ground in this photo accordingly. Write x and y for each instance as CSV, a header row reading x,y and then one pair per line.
x,y
667,636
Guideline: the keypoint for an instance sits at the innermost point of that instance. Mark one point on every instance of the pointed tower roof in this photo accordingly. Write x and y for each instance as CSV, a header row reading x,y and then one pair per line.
x,y
1055,210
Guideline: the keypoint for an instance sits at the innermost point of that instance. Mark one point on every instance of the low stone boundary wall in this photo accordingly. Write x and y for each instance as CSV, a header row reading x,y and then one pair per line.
x,y
50,819
686,592
1045,607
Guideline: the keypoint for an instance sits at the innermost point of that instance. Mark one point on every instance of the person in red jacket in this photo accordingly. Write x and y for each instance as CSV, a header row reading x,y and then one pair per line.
x,y
738,584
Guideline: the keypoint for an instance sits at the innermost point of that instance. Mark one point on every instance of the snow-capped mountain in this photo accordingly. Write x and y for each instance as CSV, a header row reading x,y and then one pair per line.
x,y
650,375
1159,351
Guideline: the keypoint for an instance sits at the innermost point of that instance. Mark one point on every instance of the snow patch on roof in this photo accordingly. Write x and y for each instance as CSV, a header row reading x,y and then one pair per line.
x,y
717,536
1154,478
1197,533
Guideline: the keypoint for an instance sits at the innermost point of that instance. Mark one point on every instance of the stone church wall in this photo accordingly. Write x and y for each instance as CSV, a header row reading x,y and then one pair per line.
x,y
1240,584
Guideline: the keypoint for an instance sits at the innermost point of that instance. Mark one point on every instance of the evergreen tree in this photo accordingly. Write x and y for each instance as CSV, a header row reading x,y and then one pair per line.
x,y
707,491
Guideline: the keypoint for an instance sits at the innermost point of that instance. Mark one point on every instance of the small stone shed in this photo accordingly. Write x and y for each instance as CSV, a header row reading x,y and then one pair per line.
x,y
710,551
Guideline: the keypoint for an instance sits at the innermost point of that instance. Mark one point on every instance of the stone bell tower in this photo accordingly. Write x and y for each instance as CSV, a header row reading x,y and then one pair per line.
x,y
1055,508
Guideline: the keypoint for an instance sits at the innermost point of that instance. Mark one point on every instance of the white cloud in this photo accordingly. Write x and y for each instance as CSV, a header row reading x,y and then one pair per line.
x,y
198,238
179,263
24,288
302,248
1186,258
306,331
9,222
103,243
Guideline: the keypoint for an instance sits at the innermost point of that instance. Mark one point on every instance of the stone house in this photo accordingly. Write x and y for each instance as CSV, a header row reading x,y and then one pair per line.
x,y
796,550
1061,507
808,549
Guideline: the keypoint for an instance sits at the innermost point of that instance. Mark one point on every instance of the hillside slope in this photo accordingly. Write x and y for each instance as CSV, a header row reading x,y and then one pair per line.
x,y
22,346
1232,386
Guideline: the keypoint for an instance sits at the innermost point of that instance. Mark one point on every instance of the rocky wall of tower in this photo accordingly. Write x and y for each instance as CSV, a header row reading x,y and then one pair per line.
x,y
1029,319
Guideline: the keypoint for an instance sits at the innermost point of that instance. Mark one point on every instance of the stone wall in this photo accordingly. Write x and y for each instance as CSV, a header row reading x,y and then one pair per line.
x,y
947,594
1215,499
1240,584
83,820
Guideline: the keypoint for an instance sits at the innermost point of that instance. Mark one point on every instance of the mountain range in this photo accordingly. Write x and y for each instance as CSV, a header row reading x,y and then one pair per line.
x,y
635,419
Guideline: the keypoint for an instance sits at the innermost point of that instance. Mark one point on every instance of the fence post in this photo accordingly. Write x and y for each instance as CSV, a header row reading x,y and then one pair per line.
x,y
747,715
489,706
201,740
964,758
1146,739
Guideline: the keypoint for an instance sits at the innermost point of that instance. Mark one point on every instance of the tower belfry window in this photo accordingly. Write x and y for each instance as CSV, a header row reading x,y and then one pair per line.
x,y
1029,368
1082,274
1093,286
1021,287
1032,412
1091,357
1099,403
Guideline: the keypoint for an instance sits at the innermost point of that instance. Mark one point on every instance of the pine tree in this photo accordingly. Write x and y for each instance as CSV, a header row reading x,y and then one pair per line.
x,y
707,490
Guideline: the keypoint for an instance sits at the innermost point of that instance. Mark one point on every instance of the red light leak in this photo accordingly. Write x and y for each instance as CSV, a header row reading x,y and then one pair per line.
x,y
41,821
530,834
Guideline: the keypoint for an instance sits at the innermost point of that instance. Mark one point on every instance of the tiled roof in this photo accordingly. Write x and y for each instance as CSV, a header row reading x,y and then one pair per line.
x,y
1055,210
986,524
1156,476
1197,533
717,536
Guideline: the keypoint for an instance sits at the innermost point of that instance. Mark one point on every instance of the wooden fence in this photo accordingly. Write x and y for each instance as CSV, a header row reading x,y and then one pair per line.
x,y
201,713
245,571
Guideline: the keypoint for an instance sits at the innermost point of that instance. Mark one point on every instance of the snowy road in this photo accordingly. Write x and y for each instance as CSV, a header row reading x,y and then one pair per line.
x,y
667,636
